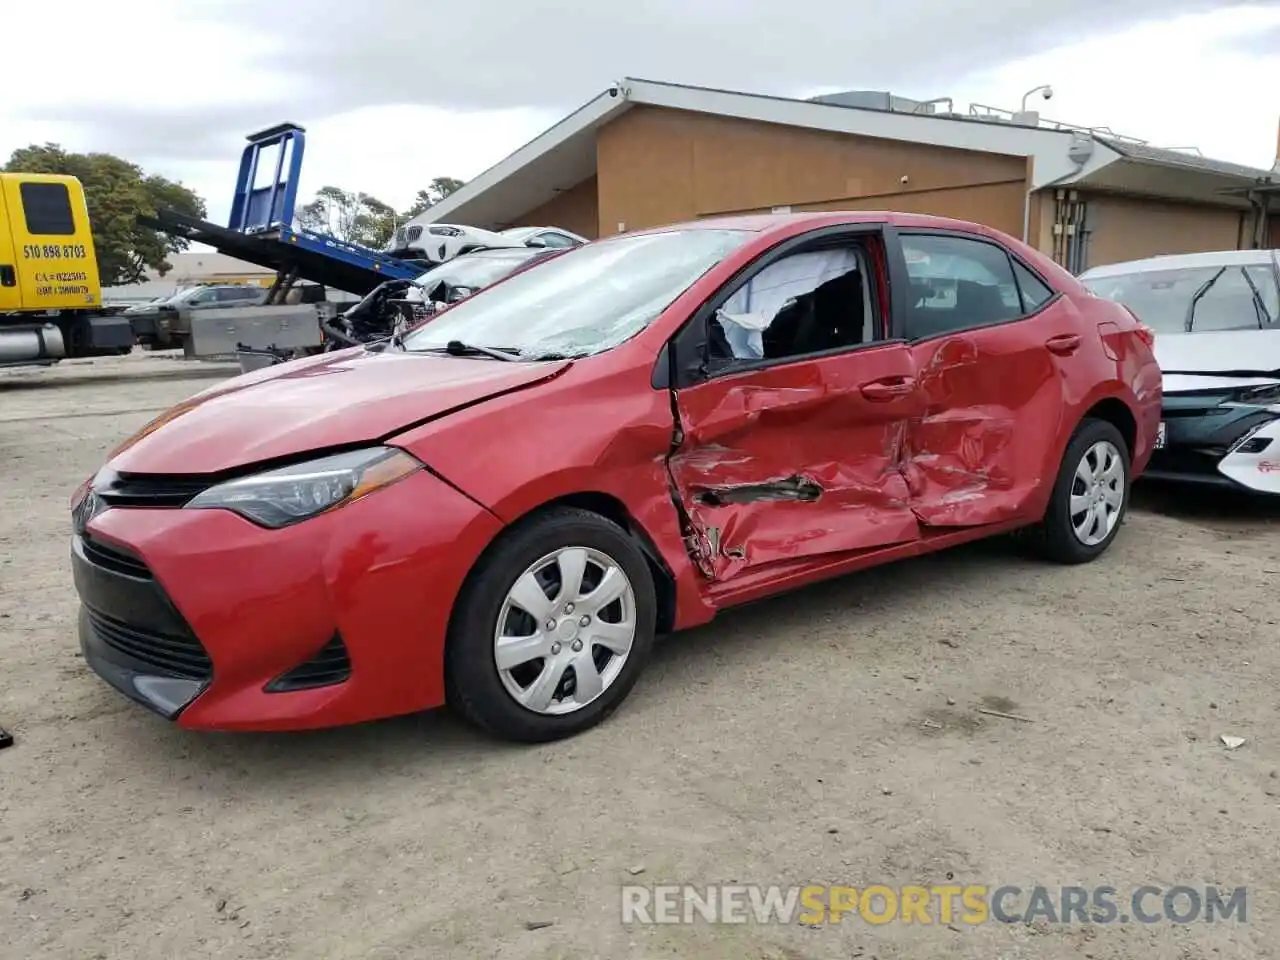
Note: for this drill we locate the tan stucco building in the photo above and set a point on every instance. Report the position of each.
(642, 154)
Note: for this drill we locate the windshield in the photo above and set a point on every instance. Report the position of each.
(585, 301)
(1199, 299)
(474, 271)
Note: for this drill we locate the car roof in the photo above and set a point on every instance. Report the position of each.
(1184, 261)
(786, 222)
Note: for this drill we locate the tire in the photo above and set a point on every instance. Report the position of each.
(1055, 538)
(486, 695)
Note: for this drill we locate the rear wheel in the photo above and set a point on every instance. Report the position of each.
(552, 629)
(1090, 496)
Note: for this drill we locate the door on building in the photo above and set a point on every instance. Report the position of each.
(993, 345)
(791, 417)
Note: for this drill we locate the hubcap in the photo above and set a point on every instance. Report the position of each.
(565, 630)
(1097, 493)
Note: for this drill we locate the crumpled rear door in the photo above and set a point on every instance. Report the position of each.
(996, 410)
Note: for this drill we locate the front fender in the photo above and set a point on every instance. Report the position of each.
(612, 435)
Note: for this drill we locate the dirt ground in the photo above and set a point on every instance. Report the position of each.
(830, 737)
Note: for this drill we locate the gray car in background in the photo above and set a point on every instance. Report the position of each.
(158, 324)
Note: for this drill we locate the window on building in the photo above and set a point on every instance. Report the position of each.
(47, 209)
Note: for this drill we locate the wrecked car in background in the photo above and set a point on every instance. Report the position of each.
(501, 510)
(1217, 323)
(392, 308)
(395, 306)
(470, 273)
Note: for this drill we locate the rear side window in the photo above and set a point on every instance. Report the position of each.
(47, 209)
(1035, 294)
(958, 283)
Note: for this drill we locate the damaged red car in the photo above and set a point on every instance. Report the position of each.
(500, 510)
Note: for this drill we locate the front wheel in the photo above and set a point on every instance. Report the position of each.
(552, 629)
(1090, 496)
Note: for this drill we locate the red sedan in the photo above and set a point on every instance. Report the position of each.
(502, 509)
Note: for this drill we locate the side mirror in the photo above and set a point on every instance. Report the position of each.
(459, 293)
(535, 242)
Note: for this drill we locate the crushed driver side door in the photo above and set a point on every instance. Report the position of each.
(794, 461)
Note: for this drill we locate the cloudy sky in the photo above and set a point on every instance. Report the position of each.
(395, 92)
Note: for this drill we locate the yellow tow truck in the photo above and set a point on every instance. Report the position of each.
(50, 293)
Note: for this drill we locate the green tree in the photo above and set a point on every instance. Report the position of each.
(117, 192)
(438, 189)
(353, 217)
(364, 219)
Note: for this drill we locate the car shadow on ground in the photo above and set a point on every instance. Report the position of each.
(1208, 506)
(371, 750)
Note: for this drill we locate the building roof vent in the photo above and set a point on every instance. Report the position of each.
(874, 100)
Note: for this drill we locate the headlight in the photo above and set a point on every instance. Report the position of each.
(278, 498)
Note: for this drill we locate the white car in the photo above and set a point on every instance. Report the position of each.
(438, 242)
(553, 237)
(1216, 318)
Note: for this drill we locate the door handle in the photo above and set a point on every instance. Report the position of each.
(1064, 344)
(882, 390)
(8, 276)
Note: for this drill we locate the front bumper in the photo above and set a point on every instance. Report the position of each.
(130, 632)
(1231, 447)
(219, 624)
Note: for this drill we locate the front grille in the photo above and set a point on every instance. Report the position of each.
(166, 655)
(115, 559)
(150, 490)
(330, 666)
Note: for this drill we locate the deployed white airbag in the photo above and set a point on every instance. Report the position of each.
(747, 314)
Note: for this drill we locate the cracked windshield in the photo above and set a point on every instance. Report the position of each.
(584, 302)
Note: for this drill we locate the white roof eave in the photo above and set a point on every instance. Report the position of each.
(592, 114)
(1047, 148)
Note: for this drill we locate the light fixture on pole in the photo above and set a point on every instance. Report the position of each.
(1044, 90)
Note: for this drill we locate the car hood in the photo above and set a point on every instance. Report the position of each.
(1232, 352)
(334, 399)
